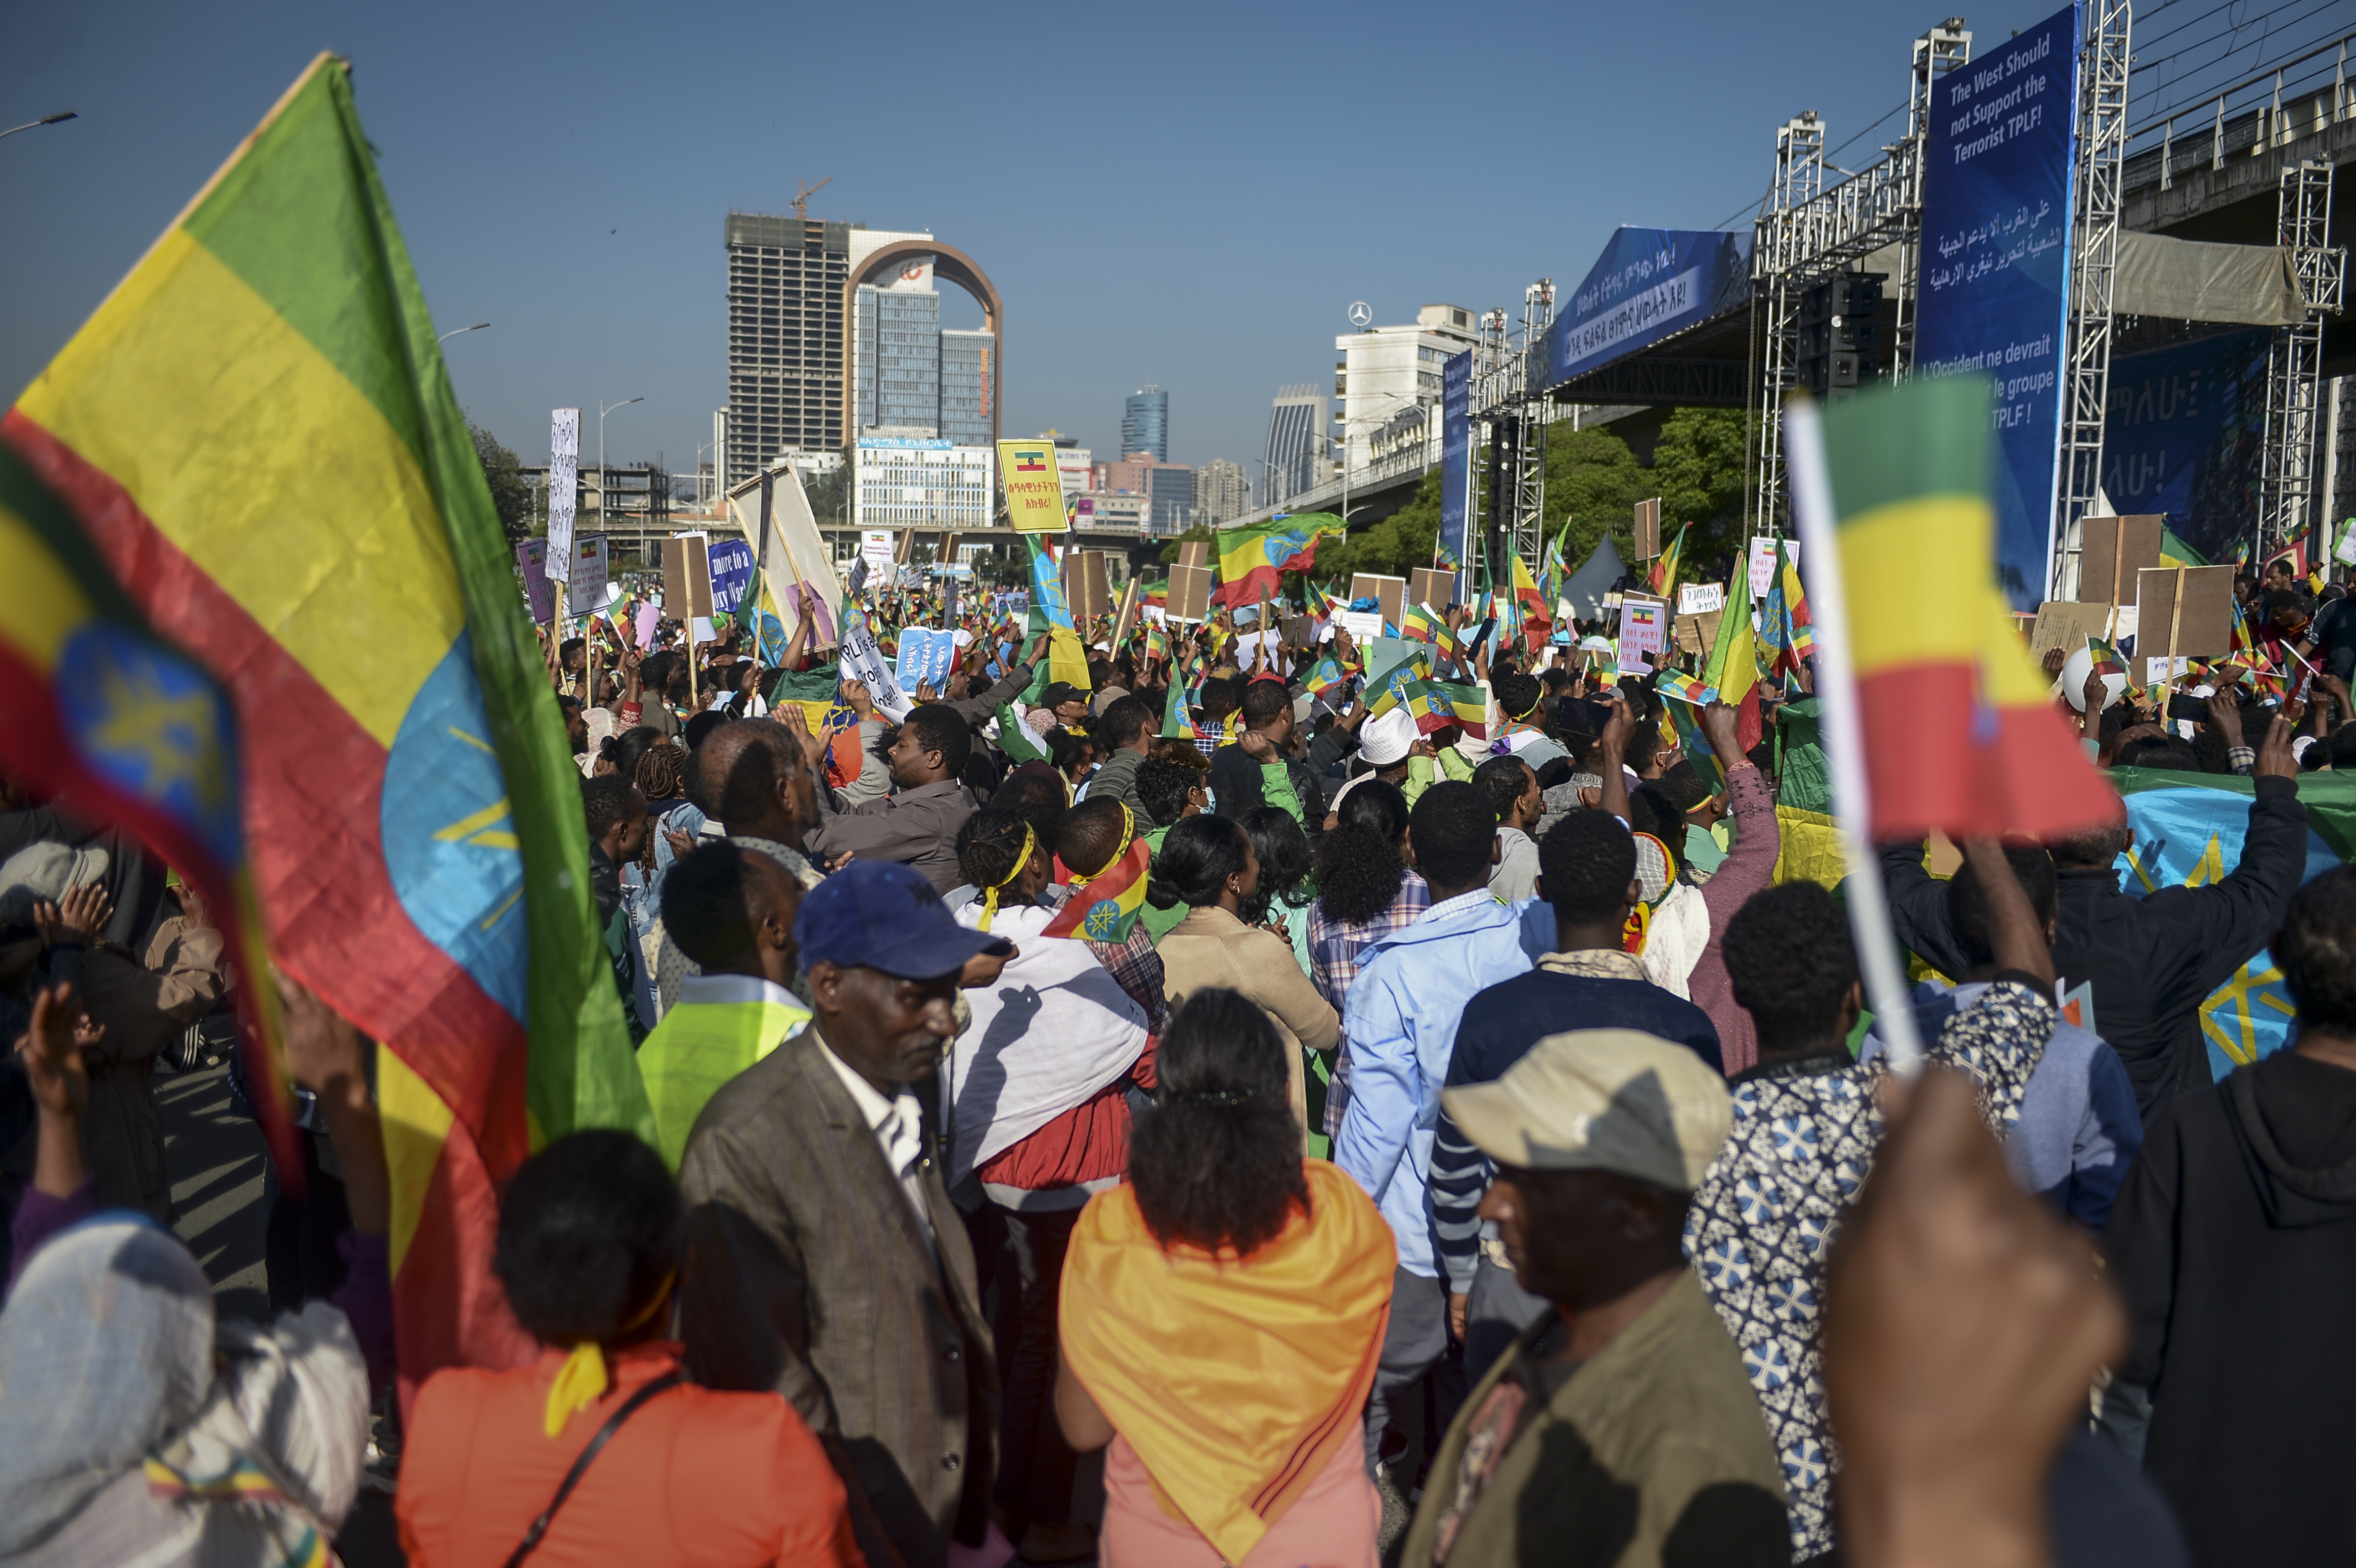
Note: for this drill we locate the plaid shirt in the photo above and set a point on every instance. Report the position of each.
(1334, 948)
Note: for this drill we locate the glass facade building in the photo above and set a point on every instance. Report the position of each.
(899, 358)
(1145, 424)
(1296, 442)
(967, 387)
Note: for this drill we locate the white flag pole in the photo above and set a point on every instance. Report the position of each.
(1869, 903)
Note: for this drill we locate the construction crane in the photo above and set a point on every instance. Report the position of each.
(802, 202)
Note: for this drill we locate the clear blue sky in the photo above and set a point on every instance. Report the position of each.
(1187, 194)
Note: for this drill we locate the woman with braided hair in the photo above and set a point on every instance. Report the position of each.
(1040, 1122)
(1223, 1314)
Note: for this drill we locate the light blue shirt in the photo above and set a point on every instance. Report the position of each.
(1400, 1020)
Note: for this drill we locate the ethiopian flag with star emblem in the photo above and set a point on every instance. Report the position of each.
(99, 711)
(2189, 829)
(256, 437)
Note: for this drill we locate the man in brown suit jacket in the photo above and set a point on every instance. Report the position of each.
(824, 1258)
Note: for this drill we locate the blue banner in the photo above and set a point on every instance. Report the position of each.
(1995, 269)
(2182, 435)
(1648, 284)
(732, 569)
(1456, 462)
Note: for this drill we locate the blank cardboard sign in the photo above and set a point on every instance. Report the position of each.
(2111, 550)
(1190, 594)
(2184, 611)
(2066, 624)
(1432, 585)
(1390, 592)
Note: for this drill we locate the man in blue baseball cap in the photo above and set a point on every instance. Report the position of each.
(824, 1259)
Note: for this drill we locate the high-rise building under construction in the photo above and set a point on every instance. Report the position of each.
(785, 338)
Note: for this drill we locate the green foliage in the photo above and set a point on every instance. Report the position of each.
(1698, 468)
(1592, 485)
(511, 496)
(1200, 532)
(1393, 547)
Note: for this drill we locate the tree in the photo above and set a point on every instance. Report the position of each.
(1393, 547)
(1592, 485)
(511, 496)
(1699, 465)
(1200, 533)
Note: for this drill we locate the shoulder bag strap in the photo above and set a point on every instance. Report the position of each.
(580, 1465)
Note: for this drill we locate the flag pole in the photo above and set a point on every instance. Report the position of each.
(1869, 902)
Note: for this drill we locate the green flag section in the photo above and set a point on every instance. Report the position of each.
(256, 431)
(1958, 734)
(2188, 834)
(1733, 664)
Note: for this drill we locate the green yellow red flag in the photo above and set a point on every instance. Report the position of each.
(1732, 668)
(1251, 559)
(256, 434)
(1958, 734)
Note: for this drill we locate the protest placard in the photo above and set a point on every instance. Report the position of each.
(531, 556)
(1388, 592)
(730, 562)
(1696, 598)
(584, 589)
(1643, 629)
(1432, 585)
(1762, 563)
(1648, 529)
(924, 656)
(2186, 611)
(563, 481)
(863, 662)
(2066, 624)
(1190, 592)
(2111, 551)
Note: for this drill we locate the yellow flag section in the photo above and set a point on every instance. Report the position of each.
(1236, 1382)
(256, 432)
(1035, 490)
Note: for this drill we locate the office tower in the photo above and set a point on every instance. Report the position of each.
(1387, 378)
(1296, 444)
(785, 338)
(1145, 424)
(1171, 488)
(967, 387)
(1222, 491)
(898, 374)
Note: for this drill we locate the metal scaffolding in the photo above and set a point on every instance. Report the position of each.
(2294, 362)
(2094, 253)
(1806, 231)
(1506, 374)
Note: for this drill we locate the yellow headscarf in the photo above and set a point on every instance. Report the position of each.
(990, 893)
(581, 1382)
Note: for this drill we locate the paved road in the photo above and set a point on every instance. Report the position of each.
(221, 1187)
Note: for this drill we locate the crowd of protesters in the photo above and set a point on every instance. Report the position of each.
(1465, 1151)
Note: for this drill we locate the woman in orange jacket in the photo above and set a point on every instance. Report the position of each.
(600, 1452)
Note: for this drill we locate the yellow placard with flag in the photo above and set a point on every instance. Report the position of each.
(1034, 491)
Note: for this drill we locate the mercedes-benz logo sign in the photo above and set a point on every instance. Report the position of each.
(1362, 313)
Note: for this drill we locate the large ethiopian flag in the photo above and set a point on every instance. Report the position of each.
(257, 435)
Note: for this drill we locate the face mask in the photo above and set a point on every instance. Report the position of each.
(1210, 801)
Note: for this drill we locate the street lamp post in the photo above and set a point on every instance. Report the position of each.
(44, 120)
(457, 331)
(603, 410)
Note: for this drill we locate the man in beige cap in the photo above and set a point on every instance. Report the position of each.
(1619, 1429)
